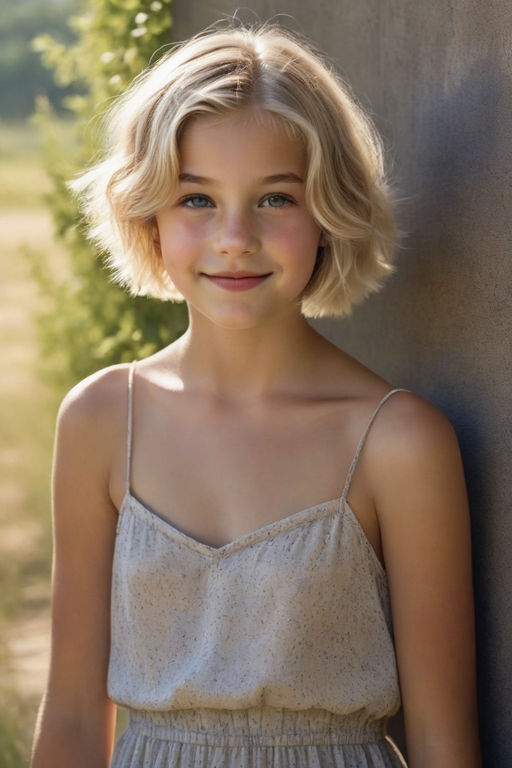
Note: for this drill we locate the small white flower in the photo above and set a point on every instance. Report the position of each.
(40, 44)
(141, 18)
(107, 57)
(138, 32)
(115, 80)
(156, 6)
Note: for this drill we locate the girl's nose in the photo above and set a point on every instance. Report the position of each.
(236, 235)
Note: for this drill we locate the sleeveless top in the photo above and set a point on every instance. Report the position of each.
(284, 629)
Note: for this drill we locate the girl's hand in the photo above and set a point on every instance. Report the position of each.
(414, 464)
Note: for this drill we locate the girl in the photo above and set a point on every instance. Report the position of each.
(261, 547)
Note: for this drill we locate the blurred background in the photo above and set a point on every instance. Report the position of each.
(61, 63)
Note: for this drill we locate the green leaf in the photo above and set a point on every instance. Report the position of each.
(87, 321)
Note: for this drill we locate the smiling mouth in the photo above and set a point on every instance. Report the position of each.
(237, 281)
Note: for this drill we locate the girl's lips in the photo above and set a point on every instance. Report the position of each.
(238, 283)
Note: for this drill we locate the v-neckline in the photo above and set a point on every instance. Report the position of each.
(262, 532)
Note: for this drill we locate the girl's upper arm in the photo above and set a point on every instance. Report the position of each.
(84, 524)
(422, 507)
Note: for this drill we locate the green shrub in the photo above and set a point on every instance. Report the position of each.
(87, 321)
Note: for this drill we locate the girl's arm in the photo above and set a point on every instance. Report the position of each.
(421, 503)
(76, 719)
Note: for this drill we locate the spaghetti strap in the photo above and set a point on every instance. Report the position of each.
(363, 440)
(129, 425)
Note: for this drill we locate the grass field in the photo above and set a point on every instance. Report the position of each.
(27, 423)
(27, 420)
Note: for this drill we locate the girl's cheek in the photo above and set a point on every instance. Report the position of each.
(195, 227)
(180, 235)
(295, 236)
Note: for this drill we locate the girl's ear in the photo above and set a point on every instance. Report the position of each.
(323, 240)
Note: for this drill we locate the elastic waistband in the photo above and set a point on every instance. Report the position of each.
(265, 726)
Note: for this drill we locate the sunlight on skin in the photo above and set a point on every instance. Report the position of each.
(240, 205)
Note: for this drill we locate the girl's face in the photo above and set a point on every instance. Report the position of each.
(236, 236)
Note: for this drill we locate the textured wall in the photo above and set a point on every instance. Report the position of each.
(437, 78)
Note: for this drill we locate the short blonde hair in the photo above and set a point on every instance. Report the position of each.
(217, 72)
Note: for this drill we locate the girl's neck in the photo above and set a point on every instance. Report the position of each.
(243, 365)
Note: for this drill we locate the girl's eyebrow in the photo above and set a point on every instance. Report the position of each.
(275, 178)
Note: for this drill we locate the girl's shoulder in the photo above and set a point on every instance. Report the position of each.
(97, 393)
(410, 425)
(95, 408)
(406, 413)
(90, 434)
(413, 465)
(406, 425)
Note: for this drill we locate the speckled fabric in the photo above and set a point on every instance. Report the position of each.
(273, 651)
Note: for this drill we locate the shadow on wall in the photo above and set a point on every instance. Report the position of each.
(456, 311)
(454, 166)
(438, 327)
(459, 141)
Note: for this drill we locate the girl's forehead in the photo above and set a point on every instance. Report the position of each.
(250, 133)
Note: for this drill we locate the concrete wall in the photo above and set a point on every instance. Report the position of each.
(437, 78)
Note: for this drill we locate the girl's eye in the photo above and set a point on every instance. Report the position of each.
(276, 201)
(196, 201)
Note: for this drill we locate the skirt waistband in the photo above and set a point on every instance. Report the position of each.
(265, 726)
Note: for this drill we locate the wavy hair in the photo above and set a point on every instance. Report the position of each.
(217, 72)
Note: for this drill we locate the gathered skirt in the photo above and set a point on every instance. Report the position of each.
(253, 738)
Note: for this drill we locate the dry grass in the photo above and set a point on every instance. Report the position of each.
(26, 435)
(27, 419)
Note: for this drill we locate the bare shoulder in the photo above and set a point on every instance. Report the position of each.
(91, 427)
(413, 455)
(412, 443)
(412, 429)
(408, 427)
(96, 405)
(95, 396)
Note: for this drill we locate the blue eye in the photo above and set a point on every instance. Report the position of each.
(276, 201)
(196, 201)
